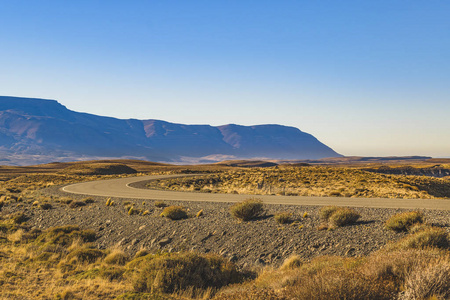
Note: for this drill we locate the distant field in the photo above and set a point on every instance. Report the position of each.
(311, 181)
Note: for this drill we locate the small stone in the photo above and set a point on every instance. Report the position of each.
(134, 242)
(350, 252)
(233, 258)
(142, 227)
(164, 242)
(259, 261)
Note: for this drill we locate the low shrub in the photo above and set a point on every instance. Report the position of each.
(337, 216)
(404, 221)
(283, 218)
(292, 262)
(84, 255)
(326, 211)
(429, 282)
(116, 257)
(343, 217)
(88, 200)
(184, 271)
(429, 237)
(174, 212)
(75, 204)
(248, 209)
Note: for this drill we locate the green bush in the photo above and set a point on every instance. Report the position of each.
(183, 271)
(403, 221)
(174, 213)
(248, 209)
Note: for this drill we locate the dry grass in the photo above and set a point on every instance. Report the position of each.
(174, 272)
(404, 221)
(247, 210)
(283, 218)
(311, 181)
(334, 216)
(174, 212)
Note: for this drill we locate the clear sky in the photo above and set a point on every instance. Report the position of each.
(367, 78)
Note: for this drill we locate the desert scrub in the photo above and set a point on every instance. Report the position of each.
(183, 271)
(283, 218)
(84, 255)
(174, 212)
(116, 257)
(429, 282)
(428, 237)
(88, 200)
(292, 262)
(404, 221)
(248, 209)
(160, 204)
(76, 204)
(338, 216)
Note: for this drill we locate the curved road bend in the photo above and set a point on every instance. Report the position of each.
(120, 188)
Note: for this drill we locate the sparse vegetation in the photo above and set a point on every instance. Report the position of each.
(68, 263)
(183, 272)
(311, 181)
(174, 212)
(404, 221)
(248, 209)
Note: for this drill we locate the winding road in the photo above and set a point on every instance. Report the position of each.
(121, 188)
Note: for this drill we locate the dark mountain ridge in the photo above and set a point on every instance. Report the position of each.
(45, 130)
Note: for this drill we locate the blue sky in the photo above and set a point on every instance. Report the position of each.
(367, 78)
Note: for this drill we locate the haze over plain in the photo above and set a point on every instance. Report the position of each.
(365, 78)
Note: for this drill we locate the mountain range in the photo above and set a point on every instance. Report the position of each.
(40, 131)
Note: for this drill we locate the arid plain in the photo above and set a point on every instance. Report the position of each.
(254, 239)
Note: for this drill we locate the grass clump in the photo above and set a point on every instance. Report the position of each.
(184, 271)
(283, 218)
(248, 209)
(174, 212)
(334, 216)
(428, 237)
(88, 200)
(76, 204)
(116, 257)
(84, 255)
(292, 262)
(160, 204)
(404, 221)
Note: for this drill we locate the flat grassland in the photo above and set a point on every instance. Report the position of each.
(59, 246)
(311, 181)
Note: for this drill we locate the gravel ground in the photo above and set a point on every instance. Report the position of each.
(249, 244)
